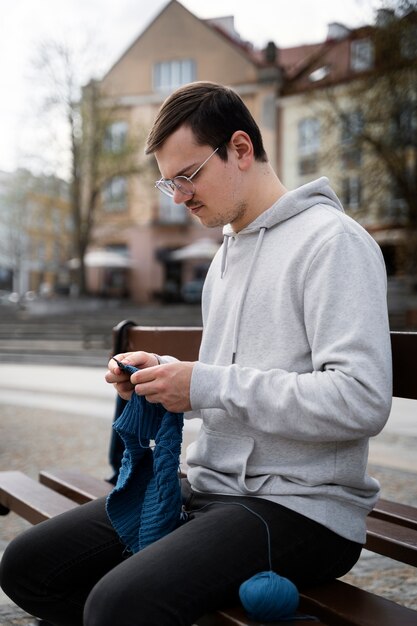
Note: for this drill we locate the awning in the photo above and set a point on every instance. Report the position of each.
(200, 249)
(102, 258)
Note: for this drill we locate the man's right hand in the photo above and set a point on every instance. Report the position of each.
(120, 379)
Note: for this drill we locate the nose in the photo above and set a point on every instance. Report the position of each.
(179, 197)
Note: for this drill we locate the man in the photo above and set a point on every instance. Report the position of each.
(292, 379)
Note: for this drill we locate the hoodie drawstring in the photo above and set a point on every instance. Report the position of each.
(244, 290)
(224, 255)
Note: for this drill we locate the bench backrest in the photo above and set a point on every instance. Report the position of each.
(404, 360)
(183, 342)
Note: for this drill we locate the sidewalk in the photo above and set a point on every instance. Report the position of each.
(61, 416)
(83, 391)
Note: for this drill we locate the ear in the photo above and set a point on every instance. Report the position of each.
(241, 145)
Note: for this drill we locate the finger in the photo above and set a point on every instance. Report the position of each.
(124, 386)
(143, 390)
(122, 356)
(116, 376)
(153, 399)
(113, 364)
(146, 375)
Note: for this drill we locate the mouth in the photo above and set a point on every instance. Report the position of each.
(195, 208)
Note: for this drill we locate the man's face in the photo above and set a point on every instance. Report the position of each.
(218, 198)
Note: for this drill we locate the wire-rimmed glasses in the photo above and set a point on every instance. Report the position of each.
(183, 184)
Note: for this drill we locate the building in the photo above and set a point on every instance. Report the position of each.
(35, 233)
(348, 109)
(6, 268)
(135, 220)
(313, 112)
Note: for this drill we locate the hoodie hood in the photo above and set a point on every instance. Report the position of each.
(290, 204)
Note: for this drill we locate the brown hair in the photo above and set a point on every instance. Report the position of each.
(212, 111)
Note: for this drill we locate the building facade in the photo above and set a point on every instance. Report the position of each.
(348, 110)
(314, 105)
(35, 234)
(134, 218)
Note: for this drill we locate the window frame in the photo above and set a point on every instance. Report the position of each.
(113, 201)
(173, 73)
(362, 55)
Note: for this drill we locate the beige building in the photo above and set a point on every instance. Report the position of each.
(49, 230)
(36, 233)
(293, 94)
(338, 117)
(136, 220)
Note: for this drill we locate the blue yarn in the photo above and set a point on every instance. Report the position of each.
(267, 597)
(145, 504)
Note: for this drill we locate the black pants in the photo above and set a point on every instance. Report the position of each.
(73, 570)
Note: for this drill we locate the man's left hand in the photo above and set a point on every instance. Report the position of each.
(168, 384)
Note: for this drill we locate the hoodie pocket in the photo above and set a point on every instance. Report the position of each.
(219, 462)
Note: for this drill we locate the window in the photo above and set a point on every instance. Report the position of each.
(361, 55)
(351, 192)
(118, 248)
(56, 253)
(352, 126)
(56, 220)
(168, 75)
(319, 74)
(409, 42)
(308, 145)
(115, 137)
(41, 251)
(171, 213)
(308, 136)
(404, 125)
(397, 206)
(269, 111)
(114, 194)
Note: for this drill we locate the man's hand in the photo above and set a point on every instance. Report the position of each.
(120, 379)
(168, 384)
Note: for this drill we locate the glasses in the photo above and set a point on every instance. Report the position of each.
(183, 184)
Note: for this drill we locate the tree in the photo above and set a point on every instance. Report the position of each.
(82, 123)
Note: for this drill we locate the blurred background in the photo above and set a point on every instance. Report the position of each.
(333, 89)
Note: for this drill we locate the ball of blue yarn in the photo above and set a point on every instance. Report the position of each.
(267, 597)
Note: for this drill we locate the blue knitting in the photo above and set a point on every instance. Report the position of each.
(146, 503)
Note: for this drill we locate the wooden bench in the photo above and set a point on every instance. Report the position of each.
(391, 527)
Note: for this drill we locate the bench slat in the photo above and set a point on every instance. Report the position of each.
(74, 485)
(341, 604)
(29, 499)
(392, 540)
(237, 617)
(402, 514)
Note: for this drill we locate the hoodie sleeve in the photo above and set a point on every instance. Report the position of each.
(347, 393)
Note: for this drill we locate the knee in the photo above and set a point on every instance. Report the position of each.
(15, 568)
(109, 604)
(104, 607)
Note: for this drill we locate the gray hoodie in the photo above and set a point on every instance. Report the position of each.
(294, 372)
